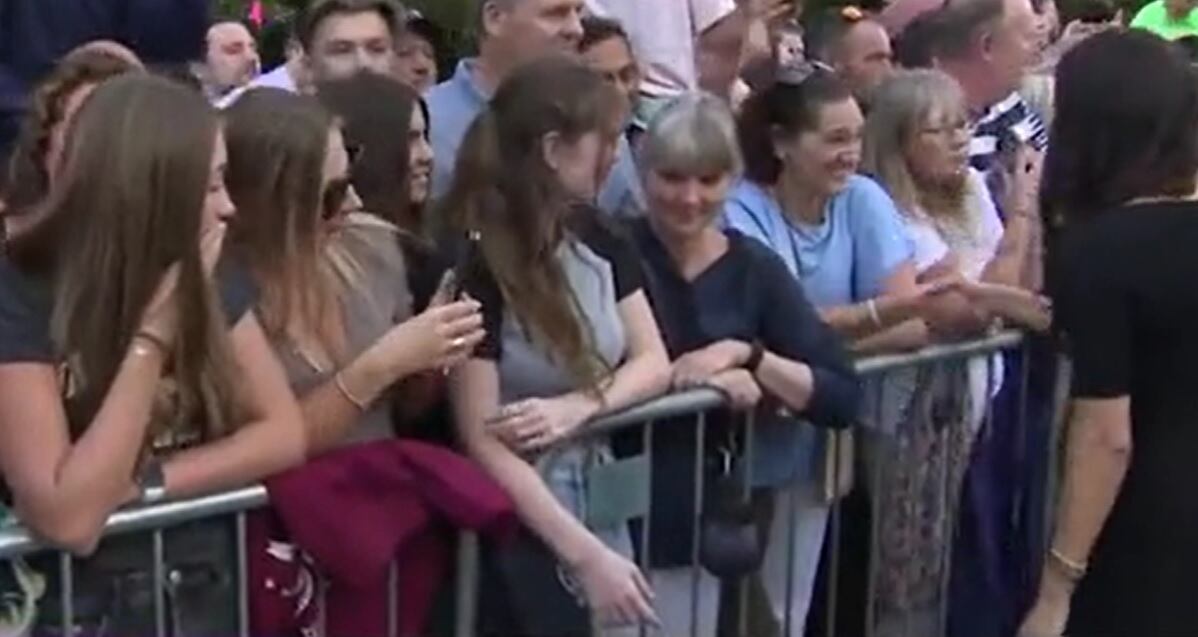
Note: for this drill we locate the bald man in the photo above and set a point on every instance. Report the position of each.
(230, 60)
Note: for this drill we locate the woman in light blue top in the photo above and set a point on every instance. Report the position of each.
(842, 237)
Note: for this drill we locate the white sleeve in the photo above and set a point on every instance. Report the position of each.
(706, 13)
(990, 227)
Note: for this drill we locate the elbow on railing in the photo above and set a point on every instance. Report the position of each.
(70, 528)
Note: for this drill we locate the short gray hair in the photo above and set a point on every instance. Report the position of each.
(962, 22)
(693, 135)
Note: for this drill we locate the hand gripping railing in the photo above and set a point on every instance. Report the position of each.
(16, 541)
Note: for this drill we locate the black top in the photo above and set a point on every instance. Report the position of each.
(587, 227)
(26, 305)
(747, 295)
(1126, 301)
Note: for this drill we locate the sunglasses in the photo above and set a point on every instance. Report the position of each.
(333, 199)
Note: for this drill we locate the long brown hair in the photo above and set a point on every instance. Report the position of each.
(277, 146)
(504, 190)
(127, 205)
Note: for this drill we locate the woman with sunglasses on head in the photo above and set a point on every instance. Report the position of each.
(131, 366)
(842, 238)
(334, 300)
(570, 335)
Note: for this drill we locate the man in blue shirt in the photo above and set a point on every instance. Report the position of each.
(511, 33)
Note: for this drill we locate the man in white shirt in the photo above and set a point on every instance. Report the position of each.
(336, 39)
(672, 38)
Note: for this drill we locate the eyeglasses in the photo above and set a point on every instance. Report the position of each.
(333, 199)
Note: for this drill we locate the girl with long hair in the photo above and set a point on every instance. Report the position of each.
(334, 301)
(133, 368)
(570, 333)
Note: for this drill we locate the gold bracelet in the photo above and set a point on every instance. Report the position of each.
(1072, 569)
(154, 341)
(339, 382)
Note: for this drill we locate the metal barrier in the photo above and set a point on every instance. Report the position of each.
(158, 519)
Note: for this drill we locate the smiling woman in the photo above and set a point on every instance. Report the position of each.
(333, 302)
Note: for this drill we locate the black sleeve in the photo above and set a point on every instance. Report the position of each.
(791, 328)
(237, 290)
(1092, 306)
(481, 285)
(425, 268)
(24, 319)
(615, 245)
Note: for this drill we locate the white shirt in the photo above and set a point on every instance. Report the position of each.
(664, 35)
(279, 78)
(975, 243)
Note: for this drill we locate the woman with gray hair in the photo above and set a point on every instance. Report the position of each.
(917, 146)
(732, 318)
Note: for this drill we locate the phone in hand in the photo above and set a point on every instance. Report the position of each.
(466, 258)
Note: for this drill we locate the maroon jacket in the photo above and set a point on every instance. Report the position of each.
(349, 513)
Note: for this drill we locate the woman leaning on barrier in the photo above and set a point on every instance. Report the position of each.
(570, 335)
(133, 367)
(1123, 219)
(842, 238)
(734, 318)
(335, 302)
(917, 147)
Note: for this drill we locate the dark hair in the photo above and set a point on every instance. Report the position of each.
(128, 205)
(789, 107)
(274, 39)
(961, 23)
(824, 32)
(597, 30)
(915, 46)
(504, 190)
(376, 114)
(27, 179)
(312, 16)
(1126, 126)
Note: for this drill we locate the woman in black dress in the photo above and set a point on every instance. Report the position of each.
(1119, 194)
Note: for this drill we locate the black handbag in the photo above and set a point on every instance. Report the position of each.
(730, 543)
(526, 591)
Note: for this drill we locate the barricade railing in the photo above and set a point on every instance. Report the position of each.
(158, 519)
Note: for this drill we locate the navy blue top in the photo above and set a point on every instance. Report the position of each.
(34, 34)
(747, 295)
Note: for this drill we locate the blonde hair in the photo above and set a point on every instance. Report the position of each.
(901, 106)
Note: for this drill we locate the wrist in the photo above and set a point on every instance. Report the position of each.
(736, 353)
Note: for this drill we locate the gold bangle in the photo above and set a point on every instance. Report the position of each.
(1072, 569)
(148, 337)
(339, 382)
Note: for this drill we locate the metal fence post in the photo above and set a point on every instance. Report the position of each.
(466, 605)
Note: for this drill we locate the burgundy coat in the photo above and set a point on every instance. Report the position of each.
(349, 513)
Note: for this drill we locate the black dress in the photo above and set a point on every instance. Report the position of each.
(1126, 295)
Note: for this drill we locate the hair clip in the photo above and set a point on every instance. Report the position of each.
(852, 13)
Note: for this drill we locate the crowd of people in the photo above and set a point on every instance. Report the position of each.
(400, 302)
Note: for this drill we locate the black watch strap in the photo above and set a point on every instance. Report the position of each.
(756, 353)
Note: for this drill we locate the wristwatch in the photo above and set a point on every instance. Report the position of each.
(151, 482)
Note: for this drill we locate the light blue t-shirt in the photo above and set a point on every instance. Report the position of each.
(455, 103)
(847, 258)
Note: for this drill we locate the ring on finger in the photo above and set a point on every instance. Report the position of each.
(458, 343)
